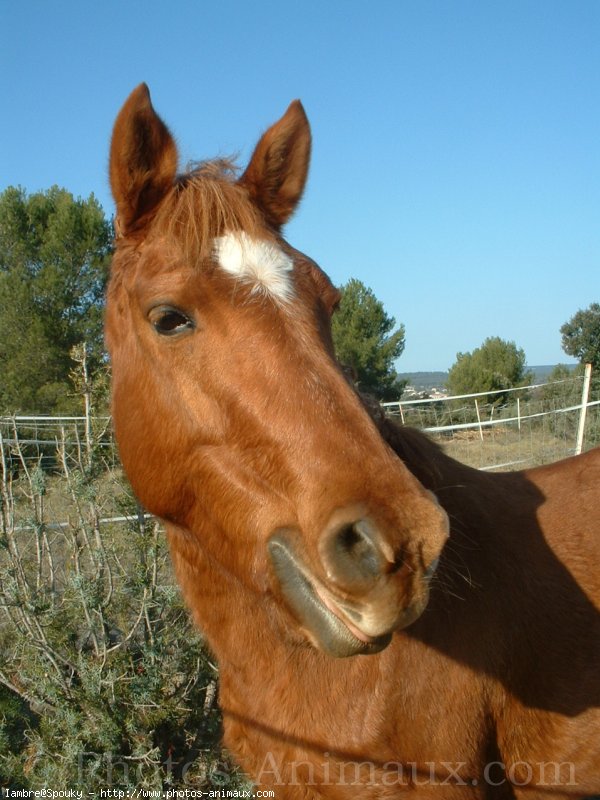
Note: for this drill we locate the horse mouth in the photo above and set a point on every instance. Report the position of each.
(320, 615)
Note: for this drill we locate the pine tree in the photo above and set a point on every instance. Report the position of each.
(581, 336)
(365, 341)
(54, 256)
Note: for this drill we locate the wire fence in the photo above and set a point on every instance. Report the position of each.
(538, 424)
(38, 439)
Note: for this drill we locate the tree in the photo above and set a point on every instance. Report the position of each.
(54, 256)
(497, 364)
(364, 340)
(563, 385)
(581, 336)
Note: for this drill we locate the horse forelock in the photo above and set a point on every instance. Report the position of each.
(209, 217)
(204, 204)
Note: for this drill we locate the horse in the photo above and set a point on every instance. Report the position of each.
(387, 622)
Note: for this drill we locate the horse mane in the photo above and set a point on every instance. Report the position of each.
(205, 202)
(423, 457)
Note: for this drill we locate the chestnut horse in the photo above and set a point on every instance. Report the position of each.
(388, 622)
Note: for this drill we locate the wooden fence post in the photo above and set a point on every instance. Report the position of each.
(479, 419)
(585, 396)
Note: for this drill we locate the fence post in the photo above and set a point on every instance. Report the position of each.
(479, 419)
(585, 396)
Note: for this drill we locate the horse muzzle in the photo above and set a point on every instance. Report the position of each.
(365, 595)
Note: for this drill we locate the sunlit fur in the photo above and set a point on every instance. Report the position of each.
(245, 425)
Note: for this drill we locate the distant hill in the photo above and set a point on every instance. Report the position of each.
(425, 381)
(541, 373)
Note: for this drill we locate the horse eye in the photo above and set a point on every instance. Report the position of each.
(170, 321)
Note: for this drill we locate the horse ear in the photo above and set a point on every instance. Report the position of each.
(276, 174)
(143, 160)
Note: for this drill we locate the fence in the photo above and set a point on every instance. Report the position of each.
(539, 424)
(38, 438)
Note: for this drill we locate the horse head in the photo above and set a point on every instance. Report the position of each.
(234, 420)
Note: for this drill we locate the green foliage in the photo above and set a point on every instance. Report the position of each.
(364, 341)
(15, 718)
(497, 364)
(54, 256)
(104, 682)
(95, 639)
(581, 336)
(562, 378)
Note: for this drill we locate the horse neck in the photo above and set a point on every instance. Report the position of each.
(425, 459)
(215, 597)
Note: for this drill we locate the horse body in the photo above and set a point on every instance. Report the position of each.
(492, 692)
(307, 530)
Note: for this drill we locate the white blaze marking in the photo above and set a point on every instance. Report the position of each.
(256, 261)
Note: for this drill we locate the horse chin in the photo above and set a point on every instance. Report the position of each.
(312, 605)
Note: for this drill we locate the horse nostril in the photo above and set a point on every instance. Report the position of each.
(355, 544)
(352, 555)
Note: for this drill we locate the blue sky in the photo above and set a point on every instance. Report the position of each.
(456, 157)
